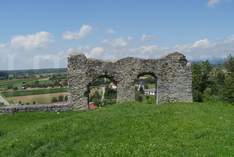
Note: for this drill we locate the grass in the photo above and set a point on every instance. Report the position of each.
(33, 92)
(38, 99)
(129, 129)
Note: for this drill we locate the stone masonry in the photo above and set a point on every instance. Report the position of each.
(36, 108)
(173, 74)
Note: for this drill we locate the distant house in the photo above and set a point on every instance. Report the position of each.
(150, 91)
(24, 85)
(112, 86)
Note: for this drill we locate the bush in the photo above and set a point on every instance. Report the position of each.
(139, 97)
(150, 99)
(197, 96)
(66, 98)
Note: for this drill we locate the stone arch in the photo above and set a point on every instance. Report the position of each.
(97, 77)
(173, 72)
(152, 74)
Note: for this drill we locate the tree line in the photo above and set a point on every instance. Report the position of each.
(213, 82)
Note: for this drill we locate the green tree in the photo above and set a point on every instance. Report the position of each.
(229, 64)
(228, 92)
(201, 79)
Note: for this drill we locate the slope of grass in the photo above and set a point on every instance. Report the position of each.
(137, 130)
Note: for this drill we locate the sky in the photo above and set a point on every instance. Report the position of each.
(42, 34)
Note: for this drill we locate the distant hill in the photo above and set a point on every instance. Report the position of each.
(34, 71)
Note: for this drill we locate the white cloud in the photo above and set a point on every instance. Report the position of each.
(118, 42)
(146, 37)
(205, 49)
(37, 40)
(90, 52)
(212, 3)
(97, 50)
(2, 45)
(84, 31)
(203, 43)
(200, 49)
(147, 49)
(110, 31)
(114, 49)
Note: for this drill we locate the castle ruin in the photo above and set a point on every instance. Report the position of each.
(173, 74)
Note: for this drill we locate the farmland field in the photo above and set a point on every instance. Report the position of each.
(130, 129)
(38, 99)
(15, 82)
(34, 86)
(33, 92)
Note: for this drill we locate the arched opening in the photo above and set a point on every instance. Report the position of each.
(146, 88)
(102, 91)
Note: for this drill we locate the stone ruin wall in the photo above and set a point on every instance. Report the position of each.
(173, 73)
(36, 108)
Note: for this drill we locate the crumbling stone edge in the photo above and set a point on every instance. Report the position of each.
(36, 108)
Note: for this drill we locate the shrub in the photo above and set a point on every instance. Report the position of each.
(66, 98)
(139, 97)
(150, 99)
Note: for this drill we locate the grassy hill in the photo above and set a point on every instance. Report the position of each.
(137, 130)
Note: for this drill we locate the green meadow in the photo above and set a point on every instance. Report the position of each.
(122, 130)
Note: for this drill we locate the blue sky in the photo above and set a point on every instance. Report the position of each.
(41, 34)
